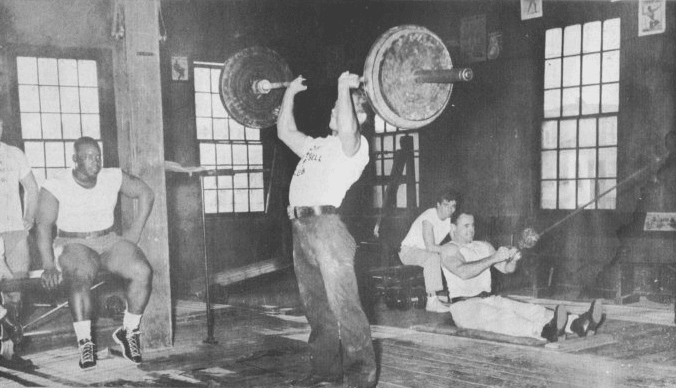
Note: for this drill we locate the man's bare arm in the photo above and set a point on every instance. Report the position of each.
(287, 131)
(48, 211)
(134, 187)
(454, 261)
(31, 194)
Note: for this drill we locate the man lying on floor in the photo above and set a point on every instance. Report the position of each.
(466, 264)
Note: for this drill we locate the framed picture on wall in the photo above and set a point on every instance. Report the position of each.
(651, 17)
(179, 69)
(660, 222)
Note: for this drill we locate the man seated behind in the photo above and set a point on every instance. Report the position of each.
(466, 264)
(81, 203)
(421, 246)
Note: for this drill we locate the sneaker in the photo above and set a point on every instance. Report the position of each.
(589, 321)
(87, 354)
(130, 341)
(436, 306)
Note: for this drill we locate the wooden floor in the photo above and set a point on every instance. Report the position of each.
(265, 346)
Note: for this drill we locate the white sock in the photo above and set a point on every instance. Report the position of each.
(571, 318)
(131, 321)
(83, 330)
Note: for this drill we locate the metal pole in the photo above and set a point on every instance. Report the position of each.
(210, 311)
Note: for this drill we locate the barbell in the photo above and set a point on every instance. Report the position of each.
(408, 78)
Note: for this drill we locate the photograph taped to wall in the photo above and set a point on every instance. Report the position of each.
(651, 17)
(531, 9)
(179, 69)
(660, 222)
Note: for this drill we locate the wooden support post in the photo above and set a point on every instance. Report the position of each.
(138, 95)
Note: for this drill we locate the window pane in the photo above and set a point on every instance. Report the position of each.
(47, 71)
(209, 182)
(608, 200)
(202, 105)
(548, 193)
(591, 69)
(207, 154)
(241, 200)
(549, 135)
(256, 155)
(202, 79)
(611, 66)
(585, 193)
(590, 99)
(572, 36)
(27, 70)
(379, 124)
(29, 98)
(49, 99)
(35, 153)
(552, 103)
(571, 71)
(553, 43)
(592, 37)
(55, 154)
(225, 181)
(553, 73)
(256, 180)
(571, 102)
(257, 200)
(608, 131)
(239, 155)
(611, 34)
(387, 166)
(252, 133)
(51, 126)
(215, 76)
(70, 100)
(567, 164)
(87, 73)
(610, 95)
(568, 135)
(203, 128)
(225, 201)
(607, 162)
(89, 100)
(587, 164)
(567, 195)
(401, 196)
(223, 155)
(91, 126)
(220, 129)
(217, 107)
(30, 126)
(68, 72)
(236, 130)
(240, 180)
(549, 165)
(71, 126)
(210, 201)
(587, 132)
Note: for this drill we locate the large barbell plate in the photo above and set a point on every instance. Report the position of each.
(389, 76)
(239, 72)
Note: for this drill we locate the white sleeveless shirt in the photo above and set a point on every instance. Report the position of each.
(474, 251)
(85, 210)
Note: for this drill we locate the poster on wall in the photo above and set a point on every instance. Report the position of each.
(473, 38)
(494, 45)
(660, 222)
(651, 19)
(179, 69)
(531, 9)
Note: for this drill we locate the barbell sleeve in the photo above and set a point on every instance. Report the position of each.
(443, 76)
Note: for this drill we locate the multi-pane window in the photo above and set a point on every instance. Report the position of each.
(386, 142)
(226, 144)
(581, 103)
(58, 103)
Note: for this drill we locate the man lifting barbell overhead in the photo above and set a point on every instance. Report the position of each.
(323, 248)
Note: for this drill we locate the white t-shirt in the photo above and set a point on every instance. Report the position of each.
(13, 167)
(474, 251)
(414, 237)
(324, 173)
(85, 210)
